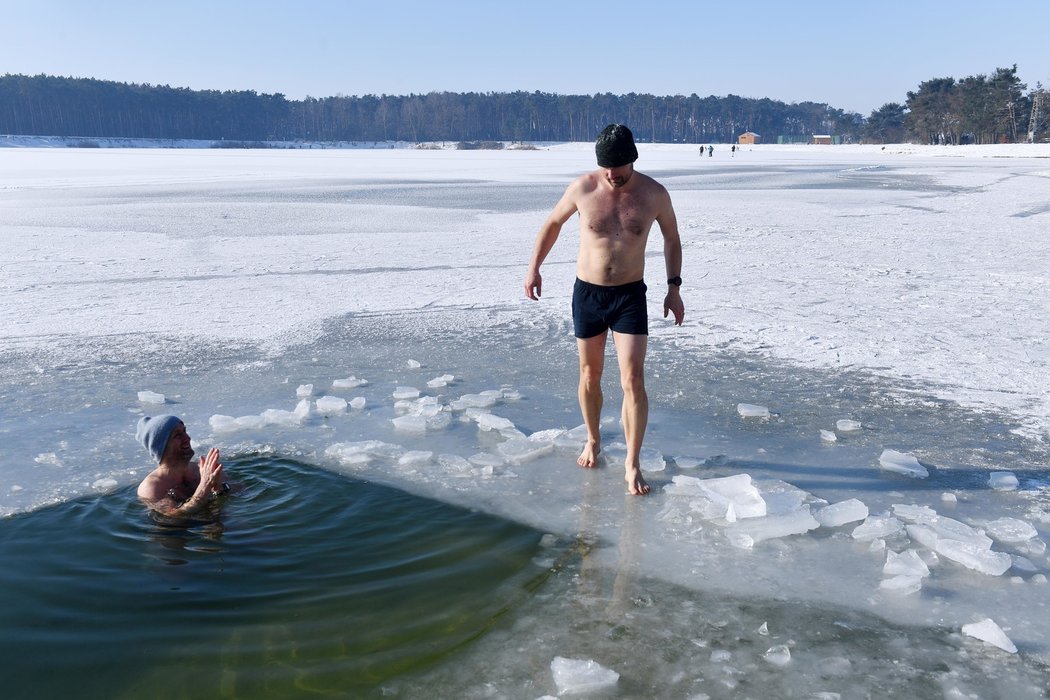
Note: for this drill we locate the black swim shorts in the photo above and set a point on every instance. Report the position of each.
(596, 309)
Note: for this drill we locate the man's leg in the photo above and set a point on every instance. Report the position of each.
(630, 353)
(592, 361)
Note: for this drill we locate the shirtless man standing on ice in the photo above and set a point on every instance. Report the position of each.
(617, 208)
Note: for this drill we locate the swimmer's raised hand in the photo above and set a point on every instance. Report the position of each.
(211, 471)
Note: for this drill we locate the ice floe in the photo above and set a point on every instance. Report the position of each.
(574, 676)
(902, 463)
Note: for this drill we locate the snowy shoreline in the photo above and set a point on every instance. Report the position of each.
(1014, 150)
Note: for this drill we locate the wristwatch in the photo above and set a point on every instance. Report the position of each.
(677, 281)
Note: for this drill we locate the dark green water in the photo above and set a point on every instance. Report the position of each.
(305, 584)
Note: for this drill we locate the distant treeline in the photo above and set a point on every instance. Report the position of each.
(978, 109)
(55, 106)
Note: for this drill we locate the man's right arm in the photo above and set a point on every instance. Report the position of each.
(546, 238)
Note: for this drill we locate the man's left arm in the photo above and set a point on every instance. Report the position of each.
(672, 258)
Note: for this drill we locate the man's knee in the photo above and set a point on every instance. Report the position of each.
(632, 380)
(590, 377)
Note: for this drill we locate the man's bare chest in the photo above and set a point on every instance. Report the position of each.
(617, 217)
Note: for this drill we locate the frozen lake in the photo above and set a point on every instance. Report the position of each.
(903, 289)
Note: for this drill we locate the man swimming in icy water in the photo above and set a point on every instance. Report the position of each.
(617, 208)
(177, 486)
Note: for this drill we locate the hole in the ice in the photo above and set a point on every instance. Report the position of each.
(306, 582)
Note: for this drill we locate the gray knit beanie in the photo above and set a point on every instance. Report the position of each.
(154, 432)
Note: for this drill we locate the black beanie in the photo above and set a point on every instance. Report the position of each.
(615, 146)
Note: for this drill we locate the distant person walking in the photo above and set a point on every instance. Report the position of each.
(617, 207)
(710, 151)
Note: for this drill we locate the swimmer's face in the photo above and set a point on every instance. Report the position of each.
(179, 447)
(619, 176)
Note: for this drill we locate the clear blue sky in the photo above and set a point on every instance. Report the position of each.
(855, 56)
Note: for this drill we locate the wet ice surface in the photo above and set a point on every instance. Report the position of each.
(866, 311)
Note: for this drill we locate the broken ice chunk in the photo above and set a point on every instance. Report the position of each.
(728, 498)
(518, 450)
(902, 463)
(483, 400)
(362, 452)
(1023, 564)
(902, 584)
(840, 513)
(551, 435)
(1003, 481)
(151, 397)
(915, 513)
(975, 557)
(828, 436)
(1011, 530)
(489, 421)
(846, 425)
(440, 382)
(907, 563)
(747, 533)
(939, 525)
(651, 460)
(331, 405)
(779, 655)
(749, 410)
(410, 424)
(415, 457)
(454, 464)
(877, 526)
(304, 390)
(413, 364)
(486, 459)
(955, 540)
(221, 424)
(689, 462)
(740, 491)
(349, 383)
(228, 424)
(406, 392)
(357, 403)
(277, 416)
(987, 631)
(573, 676)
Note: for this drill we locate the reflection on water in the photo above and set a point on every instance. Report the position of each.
(305, 583)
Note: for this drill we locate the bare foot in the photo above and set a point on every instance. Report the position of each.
(589, 457)
(636, 485)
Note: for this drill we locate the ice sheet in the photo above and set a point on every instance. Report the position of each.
(899, 288)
